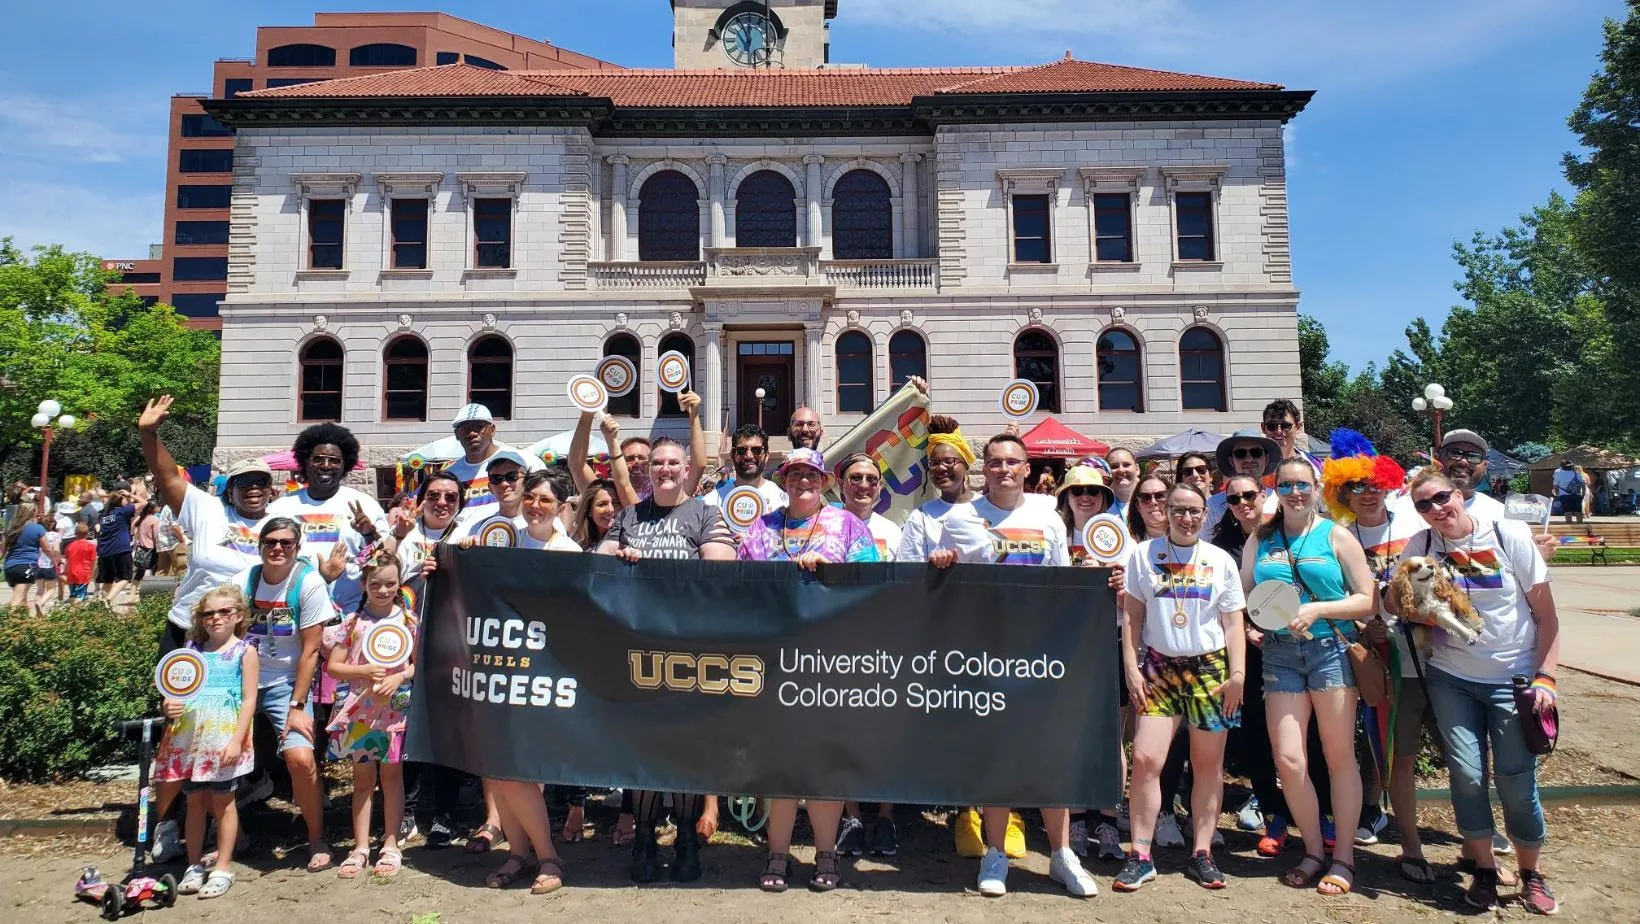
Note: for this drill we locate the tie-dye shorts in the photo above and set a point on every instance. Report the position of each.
(1184, 687)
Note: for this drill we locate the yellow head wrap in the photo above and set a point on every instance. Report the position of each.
(955, 441)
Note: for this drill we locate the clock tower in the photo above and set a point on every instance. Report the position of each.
(732, 34)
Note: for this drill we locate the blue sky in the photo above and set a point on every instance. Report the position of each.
(1432, 119)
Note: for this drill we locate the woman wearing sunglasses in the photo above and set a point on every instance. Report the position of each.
(1471, 687)
(1306, 668)
(1193, 468)
(1147, 514)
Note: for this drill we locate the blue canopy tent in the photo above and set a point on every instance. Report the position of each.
(1191, 440)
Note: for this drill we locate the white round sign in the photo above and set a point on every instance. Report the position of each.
(181, 674)
(588, 393)
(672, 371)
(618, 375)
(387, 644)
(742, 508)
(1018, 400)
(500, 534)
(1105, 538)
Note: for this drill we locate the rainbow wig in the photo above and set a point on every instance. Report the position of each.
(1355, 459)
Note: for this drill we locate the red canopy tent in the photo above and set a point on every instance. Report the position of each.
(1051, 439)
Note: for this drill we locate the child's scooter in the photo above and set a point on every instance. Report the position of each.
(118, 898)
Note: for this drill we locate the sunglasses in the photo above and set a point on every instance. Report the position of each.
(748, 451)
(286, 544)
(448, 497)
(1186, 513)
(1245, 497)
(1438, 499)
(1282, 425)
(246, 482)
(1194, 470)
(507, 477)
(1152, 497)
(224, 612)
(861, 478)
(1361, 487)
(1288, 487)
(1466, 455)
(1084, 490)
(1255, 452)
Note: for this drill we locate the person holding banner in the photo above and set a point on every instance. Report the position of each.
(1184, 611)
(1307, 668)
(595, 511)
(949, 460)
(806, 532)
(544, 529)
(862, 484)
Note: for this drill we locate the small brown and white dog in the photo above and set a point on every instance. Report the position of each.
(1427, 598)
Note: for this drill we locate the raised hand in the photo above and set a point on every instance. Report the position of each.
(155, 413)
(362, 524)
(689, 402)
(335, 563)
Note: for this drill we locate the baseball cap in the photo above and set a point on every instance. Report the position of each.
(472, 412)
(505, 455)
(251, 466)
(1456, 437)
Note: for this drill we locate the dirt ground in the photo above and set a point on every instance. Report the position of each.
(1591, 861)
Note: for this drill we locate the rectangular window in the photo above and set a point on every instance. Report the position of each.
(447, 57)
(1195, 210)
(199, 269)
(492, 230)
(234, 86)
(409, 233)
(203, 126)
(291, 81)
(1031, 230)
(1113, 228)
(325, 233)
(192, 233)
(197, 305)
(137, 279)
(204, 197)
(217, 161)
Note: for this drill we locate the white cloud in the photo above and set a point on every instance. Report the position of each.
(113, 225)
(98, 131)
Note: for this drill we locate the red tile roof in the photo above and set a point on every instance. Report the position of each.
(754, 89)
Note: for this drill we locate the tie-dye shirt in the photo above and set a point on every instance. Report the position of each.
(1200, 581)
(839, 536)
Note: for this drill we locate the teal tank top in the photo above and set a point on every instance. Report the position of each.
(1317, 564)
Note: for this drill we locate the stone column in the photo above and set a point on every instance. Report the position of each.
(617, 208)
(711, 395)
(812, 183)
(716, 192)
(911, 212)
(811, 367)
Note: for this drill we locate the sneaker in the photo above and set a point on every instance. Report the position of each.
(1483, 890)
(1274, 840)
(1535, 894)
(885, 838)
(167, 843)
(1373, 823)
(1135, 873)
(851, 838)
(259, 791)
(993, 873)
(1250, 818)
(1167, 831)
(439, 834)
(1329, 832)
(1065, 869)
(1079, 838)
(1501, 845)
(1202, 869)
(1110, 843)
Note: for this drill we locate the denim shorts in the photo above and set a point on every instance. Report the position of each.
(1295, 665)
(216, 786)
(274, 702)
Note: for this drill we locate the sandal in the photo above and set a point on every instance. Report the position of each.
(1415, 869)
(1339, 885)
(775, 872)
(320, 857)
(388, 865)
(1300, 878)
(508, 873)
(626, 831)
(193, 879)
(353, 865)
(547, 882)
(218, 885)
(824, 879)
(484, 839)
(574, 829)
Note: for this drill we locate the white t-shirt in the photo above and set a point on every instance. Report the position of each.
(1479, 504)
(51, 544)
(221, 544)
(921, 534)
(475, 482)
(273, 630)
(1202, 581)
(417, 546)
(1030, 534)
(559, 541)
(1383, 544)
(324, 523)
(1492, 573)
(886, 535)
(773, 497)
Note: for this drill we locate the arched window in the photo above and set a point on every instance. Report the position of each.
(854, 373)
(302, 56)
(907, 357)
(405, 394)
(1201, 370)
(383, 54)
(766, 211)
(1120, 372)
(1036, 357)
(321, 390)
(668, 218)
(862, 219)
(490, 375)
(626, 345)
(681, 343)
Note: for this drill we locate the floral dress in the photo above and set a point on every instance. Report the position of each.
(192, 748)
(365, 726)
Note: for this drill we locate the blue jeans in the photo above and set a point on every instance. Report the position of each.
(1474, 718)
(273, 701)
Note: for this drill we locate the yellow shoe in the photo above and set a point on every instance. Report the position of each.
(969, 834)
(1014, 844)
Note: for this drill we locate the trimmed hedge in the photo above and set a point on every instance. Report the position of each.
(66, 678)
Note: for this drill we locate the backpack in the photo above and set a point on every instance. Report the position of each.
(293, 592)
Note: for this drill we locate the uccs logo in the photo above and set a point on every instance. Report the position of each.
(737, 675)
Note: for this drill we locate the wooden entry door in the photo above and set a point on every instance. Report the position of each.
(771, 367)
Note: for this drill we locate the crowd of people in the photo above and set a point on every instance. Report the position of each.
(281, 589)
(103, 544)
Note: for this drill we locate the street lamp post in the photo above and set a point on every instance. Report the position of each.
(761, 394)
(1435, 403)
(43, 420)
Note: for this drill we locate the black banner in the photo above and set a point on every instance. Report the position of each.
(979, 685)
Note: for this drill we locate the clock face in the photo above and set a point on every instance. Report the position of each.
(749, 39)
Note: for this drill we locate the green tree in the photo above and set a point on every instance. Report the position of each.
(63, 336)
(1333, 398)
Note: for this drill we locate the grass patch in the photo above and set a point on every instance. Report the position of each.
(1579, 554)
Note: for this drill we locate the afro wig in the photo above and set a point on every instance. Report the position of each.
(1355, 460)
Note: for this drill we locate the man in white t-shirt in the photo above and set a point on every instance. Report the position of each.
(474, 427)
(1463, 461)
(337, 521)
(750, 454)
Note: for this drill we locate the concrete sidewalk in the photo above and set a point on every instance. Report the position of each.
(1596, 632)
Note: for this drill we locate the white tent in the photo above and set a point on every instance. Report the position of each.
(556, 447)
(443, 449)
